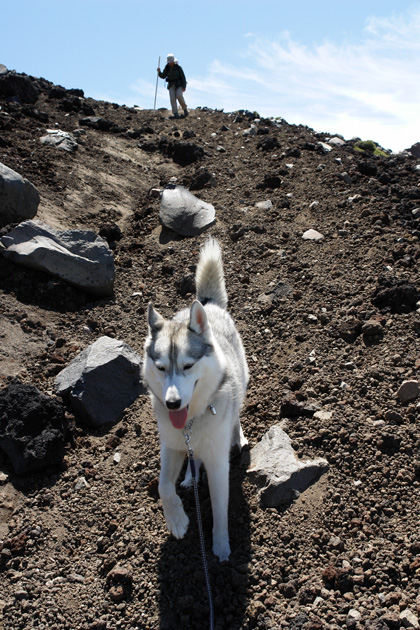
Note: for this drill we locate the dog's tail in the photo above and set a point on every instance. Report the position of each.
(209, 277)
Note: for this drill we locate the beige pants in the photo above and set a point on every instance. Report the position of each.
(177, 95)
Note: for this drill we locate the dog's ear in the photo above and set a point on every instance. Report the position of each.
(198, 318)
(154, 319)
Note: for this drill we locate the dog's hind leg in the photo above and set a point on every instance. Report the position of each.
(188, 480)
(176, 519)
(218, 477)
(238, 437)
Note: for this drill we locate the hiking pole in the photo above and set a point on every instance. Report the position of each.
(157, 78)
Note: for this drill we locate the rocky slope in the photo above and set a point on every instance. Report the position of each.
(331, 332)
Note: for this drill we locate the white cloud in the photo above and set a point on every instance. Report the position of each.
(368, 89)
(398, 31)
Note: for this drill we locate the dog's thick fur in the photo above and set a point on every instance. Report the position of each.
(191, 362)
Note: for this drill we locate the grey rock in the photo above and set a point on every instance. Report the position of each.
(312, 235)
(339, 142)
(79, 257)
(102, 381)
(323, 147)
(345, 177)
(323, 415)
(409, 390)
(19, 199)
(60, 139)
(353, 618)
(81, 484)
(183, 212)
(276, 470)
(264, 205)
(252, 131)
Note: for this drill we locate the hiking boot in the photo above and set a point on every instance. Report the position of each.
(185, 112)
(176, 115)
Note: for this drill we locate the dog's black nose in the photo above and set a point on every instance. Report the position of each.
(173, 404)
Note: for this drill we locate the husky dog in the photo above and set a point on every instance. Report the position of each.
(195, 368)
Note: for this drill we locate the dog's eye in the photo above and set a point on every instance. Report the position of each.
(160, 368)
(188, 366)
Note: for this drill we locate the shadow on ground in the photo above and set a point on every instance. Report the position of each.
(184, 601)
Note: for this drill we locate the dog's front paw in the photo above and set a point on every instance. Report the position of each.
(176, 519)
(221, 549)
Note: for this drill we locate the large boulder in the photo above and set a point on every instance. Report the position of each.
(183, 212)
(32, 428)
(102, 381)
(19, 199)
(79, 257)
(277, 471)
(19, 87)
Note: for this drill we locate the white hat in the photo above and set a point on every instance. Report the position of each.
(170, 58)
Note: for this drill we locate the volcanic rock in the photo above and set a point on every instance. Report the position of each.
(16, 86)
(312, 235)
(102, 381)
(409, 390)
(183, 212)
(277, 471)
(79, 257)
(32, 428)
(19, 199)
(60, 139)
(396, 295)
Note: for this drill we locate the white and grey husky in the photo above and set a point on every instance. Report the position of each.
(195, 368)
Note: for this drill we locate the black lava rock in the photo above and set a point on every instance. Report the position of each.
(32, 428)
(395, 295)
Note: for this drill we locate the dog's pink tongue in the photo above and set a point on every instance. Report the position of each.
(178, 418)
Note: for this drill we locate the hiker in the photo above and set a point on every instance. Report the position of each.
(177, 84)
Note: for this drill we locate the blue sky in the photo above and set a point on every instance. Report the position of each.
(339, 66)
